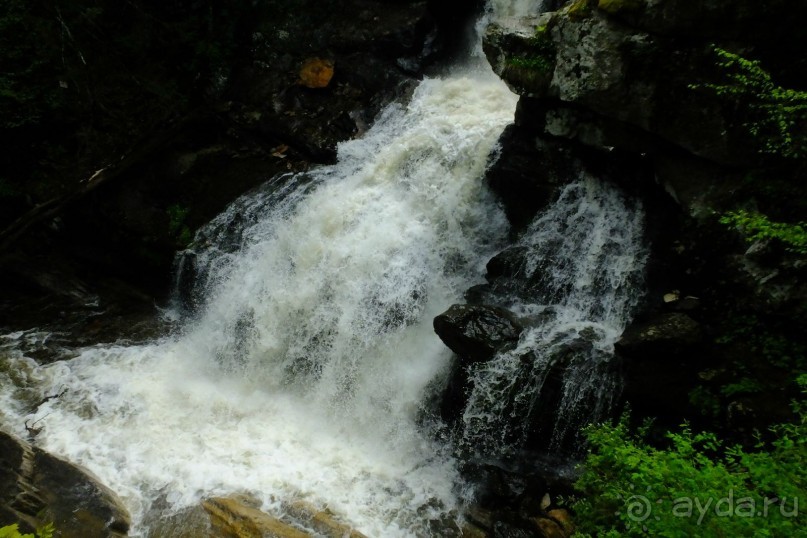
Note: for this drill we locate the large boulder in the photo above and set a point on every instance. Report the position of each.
(477, 332)
(240, 516)
(37, 488)
(237, 517)
(668, 334)
(620, 77)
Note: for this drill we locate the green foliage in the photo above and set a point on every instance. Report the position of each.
(744, 385)
(12, 531)
(531, 62)
(758, 227)
(177, 227)
(776, 116)
(695, 486)
(706, 401)
(541, 53)
(762, 357)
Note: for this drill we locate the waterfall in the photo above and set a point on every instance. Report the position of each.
(310, 364)
(308, 369)
(581, 262)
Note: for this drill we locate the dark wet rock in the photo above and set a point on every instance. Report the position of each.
(476, 333)
(661, 359)
(469, 530)
(498, 488)
(480, 294)
(549, 528)
(71, 307)
(668, 334)
(528, 172)
(39, 488)
(508, 263)
(504, 529)
(743, 19)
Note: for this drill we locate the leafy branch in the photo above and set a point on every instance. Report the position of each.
(777, 115)
(758, 227)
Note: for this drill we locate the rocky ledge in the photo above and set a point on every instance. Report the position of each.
(38, 488)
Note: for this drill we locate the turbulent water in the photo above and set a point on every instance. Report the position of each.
(310, 364)
(306, 372)
(582, 264)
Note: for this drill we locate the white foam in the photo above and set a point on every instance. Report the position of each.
(306, 372)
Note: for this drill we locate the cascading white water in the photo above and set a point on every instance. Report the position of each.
(584, 261)
(306, 371)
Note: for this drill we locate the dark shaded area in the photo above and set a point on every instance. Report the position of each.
(126, 126)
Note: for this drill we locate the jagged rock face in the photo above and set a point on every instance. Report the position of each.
(528, 172)
(606, 77)
(38, 488)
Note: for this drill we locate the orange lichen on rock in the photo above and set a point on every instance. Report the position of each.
(316, 73)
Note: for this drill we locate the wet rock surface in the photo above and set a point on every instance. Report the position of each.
(476, 333)
(612, 87)
(669, 334)
(514, 503)
(241, 516)
(38, 488)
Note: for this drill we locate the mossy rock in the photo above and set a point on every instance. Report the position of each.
(620, 6)
(580, 9)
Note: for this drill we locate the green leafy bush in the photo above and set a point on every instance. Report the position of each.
(758, 227)
(695, 486)
(177, 227)
(12, 531)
